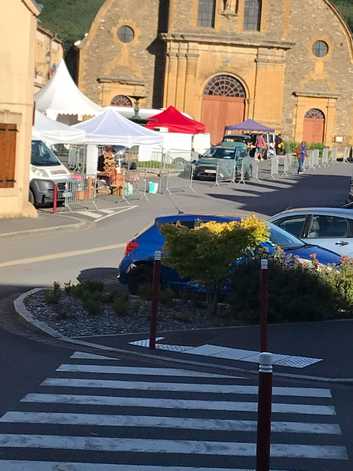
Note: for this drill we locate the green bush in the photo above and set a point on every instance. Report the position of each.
(92, 306)
(120, 306)
(297, 292)
(53, 295)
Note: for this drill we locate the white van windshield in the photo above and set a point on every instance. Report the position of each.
(42, 156)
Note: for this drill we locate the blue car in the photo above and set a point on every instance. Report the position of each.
(136, 266)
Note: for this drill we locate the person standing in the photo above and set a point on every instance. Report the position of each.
(261, 147)
(301, 154)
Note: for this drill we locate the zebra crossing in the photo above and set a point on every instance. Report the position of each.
(99, 414)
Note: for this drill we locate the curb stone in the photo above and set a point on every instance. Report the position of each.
(22, 311)
(75, 225)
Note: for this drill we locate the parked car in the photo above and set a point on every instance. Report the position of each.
(206, 166)
(136, 267)
(330, 228)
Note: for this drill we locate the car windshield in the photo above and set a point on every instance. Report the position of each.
(42, 156)
(221, 153)
(282, 238)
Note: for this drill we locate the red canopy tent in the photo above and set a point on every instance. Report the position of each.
(175, 121)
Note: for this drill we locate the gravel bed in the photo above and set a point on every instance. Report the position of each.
(70, 318)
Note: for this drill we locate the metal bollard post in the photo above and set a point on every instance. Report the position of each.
(263, 295)
(156, 287)
(263, 448)
(55, 198)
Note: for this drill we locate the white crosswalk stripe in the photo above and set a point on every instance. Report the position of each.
(139, 418)
(90, 356)
(138, 371)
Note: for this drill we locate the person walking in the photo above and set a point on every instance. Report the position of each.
(301, 155)
(261, 147)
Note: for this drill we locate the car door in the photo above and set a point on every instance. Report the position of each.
(331, 232)
(294, 224)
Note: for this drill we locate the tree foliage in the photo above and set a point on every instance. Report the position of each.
(206, 252)
(70, 19)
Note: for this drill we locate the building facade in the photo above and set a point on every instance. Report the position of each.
(48, 53)
(285, 63)
(16, 105)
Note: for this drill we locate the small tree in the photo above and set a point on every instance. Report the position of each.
(206, 253)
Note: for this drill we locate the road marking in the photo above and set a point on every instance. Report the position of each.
(64, 466)
(237, 354)
(91, 356)
(127, 370)
(118, 401)
(90, 214)
(123, 210)
(58, 256)
(164, 422)
(188, 447)
(199, 388)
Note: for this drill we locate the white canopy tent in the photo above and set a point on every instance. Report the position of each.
(52, 132)
(61, 96)
(111, 128)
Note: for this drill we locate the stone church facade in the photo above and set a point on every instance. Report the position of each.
(285, 63)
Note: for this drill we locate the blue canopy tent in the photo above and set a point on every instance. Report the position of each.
(249, 126)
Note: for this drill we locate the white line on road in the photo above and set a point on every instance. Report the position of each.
(60, 255)
(90, 214)
(199, 388)
(187, 447)
(91, 356)
(64, 466)
(164, 422)
(137, 371)
(145, 402)
(122, 210)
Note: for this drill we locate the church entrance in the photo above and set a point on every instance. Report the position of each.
(314, 126)
(223, 104)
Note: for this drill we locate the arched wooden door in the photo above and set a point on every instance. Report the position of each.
(223, 104)
(314, 126)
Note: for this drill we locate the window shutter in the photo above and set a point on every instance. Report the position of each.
(7, 155)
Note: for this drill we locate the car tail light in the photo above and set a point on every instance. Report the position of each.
(131, 246)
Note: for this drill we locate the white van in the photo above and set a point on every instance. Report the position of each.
(45, 171)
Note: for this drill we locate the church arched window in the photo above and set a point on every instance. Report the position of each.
(225, 85)
(252, 15)
(121, 100)
(206, 14)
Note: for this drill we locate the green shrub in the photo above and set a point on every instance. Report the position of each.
(92, 306)
(167, 296)
(296, 292)
(53, 295)
(120, 306)
(145, 291)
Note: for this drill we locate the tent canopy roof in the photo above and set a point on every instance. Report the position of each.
(62, 96)
(54, 132)
(111, 128)
(249, 125)
(175, 121)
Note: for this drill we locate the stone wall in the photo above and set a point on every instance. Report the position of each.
(130, 67)
(328, 78)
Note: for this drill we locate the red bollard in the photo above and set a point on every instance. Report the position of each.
(156, 289)
(263, 448)
(55, 198)
(263, 305)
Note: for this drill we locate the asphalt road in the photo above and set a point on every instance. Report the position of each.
(27, 358)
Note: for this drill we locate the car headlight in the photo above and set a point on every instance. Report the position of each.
(40, 173)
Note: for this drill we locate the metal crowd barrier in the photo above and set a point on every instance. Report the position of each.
(177, 172)
(80, 191)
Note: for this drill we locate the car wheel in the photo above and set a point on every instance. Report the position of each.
(139, 276)
(32, 198)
